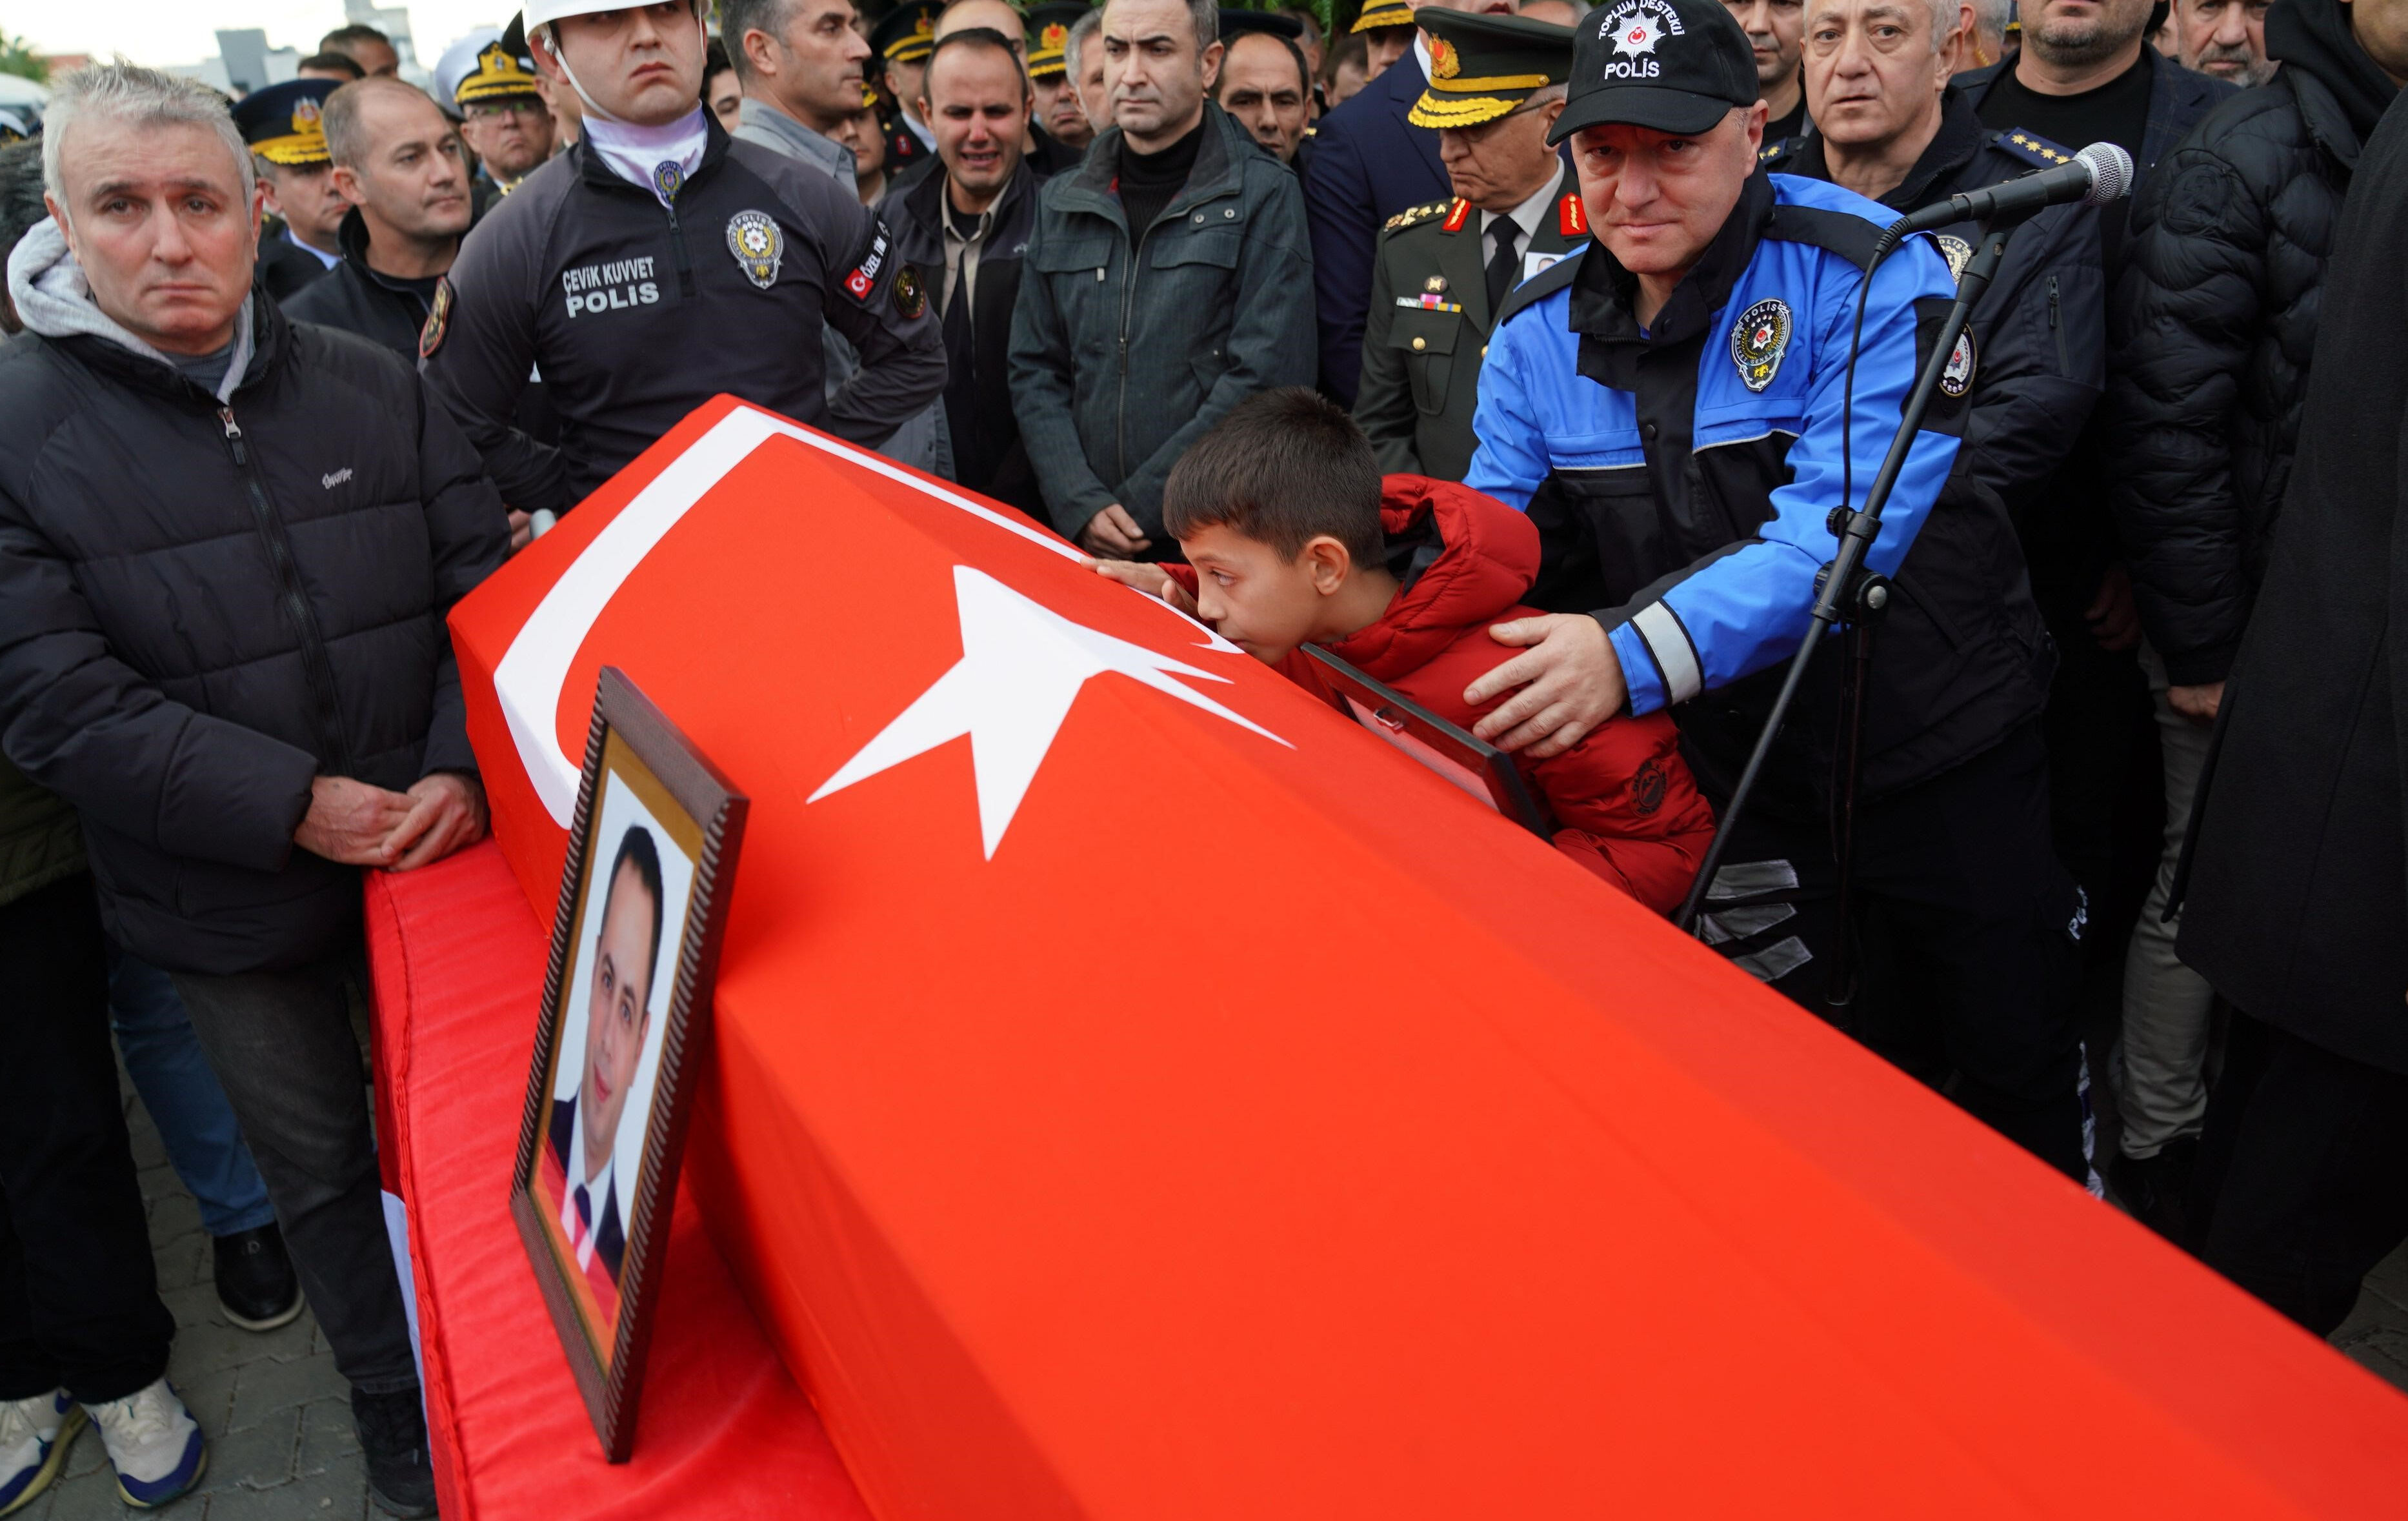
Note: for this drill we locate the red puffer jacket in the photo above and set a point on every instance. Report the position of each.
(1629, 808)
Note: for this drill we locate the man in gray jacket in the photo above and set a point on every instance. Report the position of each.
(1170, 278)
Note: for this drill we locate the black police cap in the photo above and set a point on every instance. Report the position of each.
(1675, 66)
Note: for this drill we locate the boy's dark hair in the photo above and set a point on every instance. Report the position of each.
(637, 849)
(1283, 467)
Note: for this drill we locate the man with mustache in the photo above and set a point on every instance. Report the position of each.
(2226, 39)
(405, 173)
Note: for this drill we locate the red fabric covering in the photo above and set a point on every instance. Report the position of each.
(1437, 1179)
(724, 1432)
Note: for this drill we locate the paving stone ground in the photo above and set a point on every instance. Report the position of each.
(278, 1417)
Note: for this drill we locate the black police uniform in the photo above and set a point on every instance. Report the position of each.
(637, 314)
(2040, 331)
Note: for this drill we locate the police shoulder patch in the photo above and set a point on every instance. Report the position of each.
(1759, 340)
(862, 278)
(1417, 213)
(911, 297)
(1957, 251)
(2032, 148)
(1963, 360)
(759, 245)
(439, 319)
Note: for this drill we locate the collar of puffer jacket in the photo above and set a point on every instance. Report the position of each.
(55, 300)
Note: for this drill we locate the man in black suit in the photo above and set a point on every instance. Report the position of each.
(618, 1016)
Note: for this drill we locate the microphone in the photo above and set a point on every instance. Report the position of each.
(2101, 173)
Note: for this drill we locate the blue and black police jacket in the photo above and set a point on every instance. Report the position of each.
(1683, 478)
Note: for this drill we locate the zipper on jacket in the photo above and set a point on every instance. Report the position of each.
(315, 666)
(1128, 304)
(2057, 328)
(677, 247)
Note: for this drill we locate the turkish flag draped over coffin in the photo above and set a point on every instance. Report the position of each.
(1138, 1093)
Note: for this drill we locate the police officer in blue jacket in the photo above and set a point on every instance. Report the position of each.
(1672, 408)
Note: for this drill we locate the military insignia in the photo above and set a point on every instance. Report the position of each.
(1054, 39)
(439, 319)
(1759, 340)
(2033, 149)
(1957, 378)
(1572, 218)
(1436, 285)
(306, 117)
(1412, 214)
(759, 245)
(1432, 302)
(1957, 251)
(1445, 63)
(911, 297)
(1456, 215)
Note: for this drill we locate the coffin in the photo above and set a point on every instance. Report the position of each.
(1138, 1093)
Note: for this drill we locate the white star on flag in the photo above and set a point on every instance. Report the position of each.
(1022, 665)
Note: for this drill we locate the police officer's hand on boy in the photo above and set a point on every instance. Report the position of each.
(1675, 409)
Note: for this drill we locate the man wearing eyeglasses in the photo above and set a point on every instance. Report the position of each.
(505, 120)
(1441, 271)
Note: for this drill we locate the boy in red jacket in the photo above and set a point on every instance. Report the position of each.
(1291, 538)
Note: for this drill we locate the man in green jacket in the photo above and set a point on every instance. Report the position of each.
(1169, 278)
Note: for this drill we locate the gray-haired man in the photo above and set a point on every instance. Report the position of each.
(228, 547)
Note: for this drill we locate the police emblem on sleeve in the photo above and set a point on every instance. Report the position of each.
(911, 297)
(1759, 340)
(1957, 253)
(759, 246)
(439, 319)
(1957, 378)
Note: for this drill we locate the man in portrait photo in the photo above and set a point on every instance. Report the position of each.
(584, 1131)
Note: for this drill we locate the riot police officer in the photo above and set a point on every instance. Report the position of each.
(1441, 271)
(656, 264)
(1676, 409)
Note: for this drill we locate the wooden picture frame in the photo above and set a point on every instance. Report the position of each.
(641, 778)
(1454, 754)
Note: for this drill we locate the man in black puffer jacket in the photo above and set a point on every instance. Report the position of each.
(2216, 318)
(227, 546)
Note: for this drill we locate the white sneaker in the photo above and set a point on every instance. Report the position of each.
(34, 1435)
(154, 1443)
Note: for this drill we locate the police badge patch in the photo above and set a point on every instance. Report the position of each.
(911, 297)
(759, 246)
(1959, 253)
(1957, 378)
(1759, 340)
(439, 319)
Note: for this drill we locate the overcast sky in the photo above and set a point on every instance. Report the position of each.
(164, 31)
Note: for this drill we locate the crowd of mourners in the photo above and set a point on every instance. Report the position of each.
(1530, 359)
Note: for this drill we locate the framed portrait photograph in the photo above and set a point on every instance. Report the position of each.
(626, 1007)
(1476, 767)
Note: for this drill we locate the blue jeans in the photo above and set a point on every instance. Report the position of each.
(195, 1123)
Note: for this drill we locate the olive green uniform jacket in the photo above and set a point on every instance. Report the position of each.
(1428, 325)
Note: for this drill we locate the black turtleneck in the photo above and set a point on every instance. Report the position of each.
(1149, 181)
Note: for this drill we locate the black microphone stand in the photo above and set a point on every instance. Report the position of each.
(1847, 592)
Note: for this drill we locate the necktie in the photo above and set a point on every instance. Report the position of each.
(584, 1221)
(1502, 264)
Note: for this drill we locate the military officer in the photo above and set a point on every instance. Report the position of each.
(1676, 409)
(504, 119)
(298, 243)
(904, 38)
(1058, 110)
(1441, 271)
